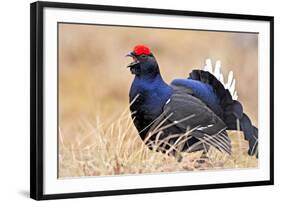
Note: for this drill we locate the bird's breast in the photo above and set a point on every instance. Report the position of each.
(147, 99)
(147, 104)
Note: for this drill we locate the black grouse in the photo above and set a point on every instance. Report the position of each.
(189, 114)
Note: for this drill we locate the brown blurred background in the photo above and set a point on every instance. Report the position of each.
(94, 81)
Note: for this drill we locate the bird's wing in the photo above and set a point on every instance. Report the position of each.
(187, 112)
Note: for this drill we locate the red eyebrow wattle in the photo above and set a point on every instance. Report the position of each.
(141, 49)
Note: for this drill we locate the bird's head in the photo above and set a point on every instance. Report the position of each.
(144, 63)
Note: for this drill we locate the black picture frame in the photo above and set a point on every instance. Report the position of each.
(37, 98)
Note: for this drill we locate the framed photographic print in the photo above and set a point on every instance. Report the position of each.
(136, 100)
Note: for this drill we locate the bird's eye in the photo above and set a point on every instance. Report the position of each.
(143, 56)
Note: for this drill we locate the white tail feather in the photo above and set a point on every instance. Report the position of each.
(230, 84)
(217, 69)
(208, 66)
(230, 77)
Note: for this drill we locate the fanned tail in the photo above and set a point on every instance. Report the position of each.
(233, 114)
(230, 84)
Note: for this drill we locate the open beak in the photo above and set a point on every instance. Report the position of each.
(135, 60)
(130, 54)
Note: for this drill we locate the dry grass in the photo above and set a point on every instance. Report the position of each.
(114, 148)
(97, 137)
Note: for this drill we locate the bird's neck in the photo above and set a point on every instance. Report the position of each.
(149, 76)
(151, 82)
(153, 88)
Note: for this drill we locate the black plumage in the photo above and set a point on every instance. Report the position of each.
(189, 115)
